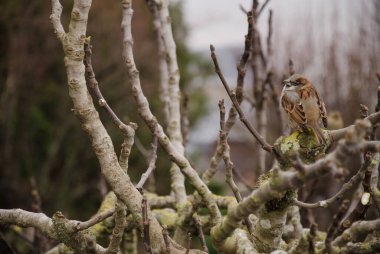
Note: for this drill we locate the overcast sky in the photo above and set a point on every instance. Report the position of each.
(300, 26)
(221, 22)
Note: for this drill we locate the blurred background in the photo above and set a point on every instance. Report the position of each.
(334, 43)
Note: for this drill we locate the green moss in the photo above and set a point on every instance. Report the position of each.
(299, 142)
(264, 178)
(281, 203)
(166, 216)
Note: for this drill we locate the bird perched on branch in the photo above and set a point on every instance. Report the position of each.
(303, 107)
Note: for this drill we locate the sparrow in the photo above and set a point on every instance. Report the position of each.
(303, 107)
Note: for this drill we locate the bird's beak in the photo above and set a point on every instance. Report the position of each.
(286, 83)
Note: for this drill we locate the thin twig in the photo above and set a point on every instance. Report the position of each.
(229, 164)
(145, 218)
(291, 67)
(267, 147)
(152, 164)
(242, 8)
(361, 208)
(127, 129)
(94, 220)
(242, 180)
(358, 177)
(262, 7)
(334, 225)
(268, 80)
(374, 183)
(165, 234)
(185, 119)
(188, 243)
(311, 238)
(201, 235)
(145, 152)
(40, 242)
(241, 68)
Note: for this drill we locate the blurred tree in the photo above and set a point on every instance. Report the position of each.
(38, 137)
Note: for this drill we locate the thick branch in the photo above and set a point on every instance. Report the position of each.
(168, 58)
(281, 182)
(57, 228)
(339, 134)
(55, 19)
(358, 229)
(118, 230)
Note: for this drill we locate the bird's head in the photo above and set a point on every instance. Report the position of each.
(295, 82)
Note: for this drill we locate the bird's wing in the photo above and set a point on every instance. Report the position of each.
(294, 110)
(306, 92)
(322, 109)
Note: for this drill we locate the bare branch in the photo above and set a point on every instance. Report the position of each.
(166, 238)
(357, 178)
(118, 230)
(55, 19)
(200, 233)
(162, 66)
(241, 68)
(185, 119)
(286, 181)
(145, 218)
(367, 247)
(311, 238)
(168, 53)
(57, 228)
(358, 213)
(339, 134)
(94, 220)
(151, 167)
(375, 180)
(242, 180)
(227, 161)
(334, 225)
(232, 96)
(145, 152)
(291, 67)
(262, 7)
(358, 229)
(127, 129)
(151, 121)
(188, 243)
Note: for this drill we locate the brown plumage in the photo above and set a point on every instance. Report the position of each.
(303, 106)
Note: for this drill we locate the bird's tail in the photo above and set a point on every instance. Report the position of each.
(319, 134)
